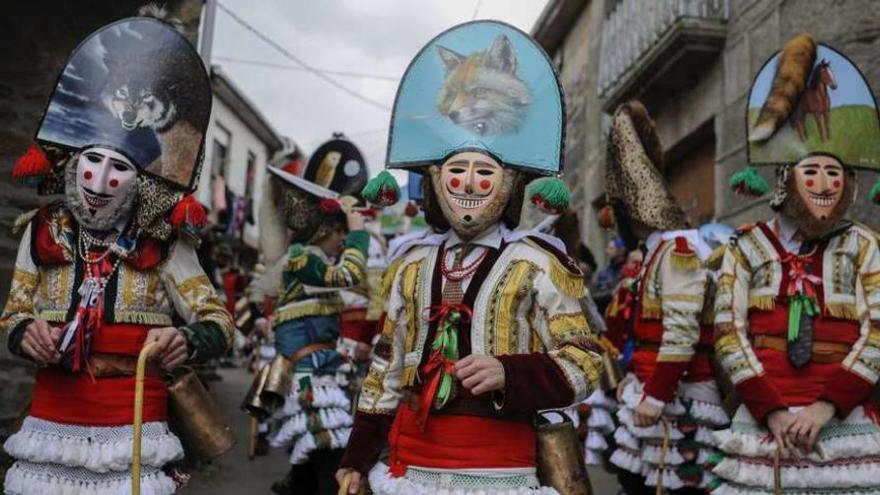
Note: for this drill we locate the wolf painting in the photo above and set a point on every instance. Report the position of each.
(481, 91)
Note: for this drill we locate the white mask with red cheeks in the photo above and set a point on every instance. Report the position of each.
(472, 189)
(819, 181)
(104, 188)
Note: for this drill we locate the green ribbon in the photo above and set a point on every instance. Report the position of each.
(447, 342)
(798, 304)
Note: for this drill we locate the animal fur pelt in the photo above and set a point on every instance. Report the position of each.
(792, 73)
(647, 132)
(161, 13)
(273, 227)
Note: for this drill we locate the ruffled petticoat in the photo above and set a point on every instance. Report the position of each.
(316, 415)
(54, 458)
(846, 459)
(692, 417)
(425, 481)
(600, 424)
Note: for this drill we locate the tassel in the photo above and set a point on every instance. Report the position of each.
(329, 206)
(411, 210)
(748, 182)
(683, 257)
(549, 194)
(875, 193)
(382, 190)
(188, 215)
(606, 218)
(32, 167)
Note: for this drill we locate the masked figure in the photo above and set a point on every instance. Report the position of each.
(483, 324)
(112, 265)
(796, 311)
(327, 253)
(669, 401)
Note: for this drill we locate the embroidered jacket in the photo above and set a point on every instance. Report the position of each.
(752, 300)
(298, 282)
(526, 312)
(153, 283)
(669, 303)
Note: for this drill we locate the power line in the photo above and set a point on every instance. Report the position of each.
(296, 67)
(316, 72)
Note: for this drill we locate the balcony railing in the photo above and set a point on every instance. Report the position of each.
(640, 37)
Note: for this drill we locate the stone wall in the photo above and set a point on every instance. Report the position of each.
(756, 29)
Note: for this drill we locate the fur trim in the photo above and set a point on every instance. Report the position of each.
(161, 13)
(795, 63)
(646, 131)
(22, 220)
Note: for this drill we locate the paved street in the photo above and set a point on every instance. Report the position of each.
(235, 474)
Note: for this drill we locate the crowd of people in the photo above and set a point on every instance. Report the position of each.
(474, 356)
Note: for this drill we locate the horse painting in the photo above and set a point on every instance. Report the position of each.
(816, 102)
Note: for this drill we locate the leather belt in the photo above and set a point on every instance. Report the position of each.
(483, 408)
(302, 352)
(647, 345)
(823, 352)
(113, 365)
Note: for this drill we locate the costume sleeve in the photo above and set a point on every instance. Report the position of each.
(858, 372)
(348, 272)
(568, 368)
(380, 392)
(20, 304)
(682, 288)
(732, 347)
(209, 328)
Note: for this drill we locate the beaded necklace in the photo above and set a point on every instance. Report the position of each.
(463, 272)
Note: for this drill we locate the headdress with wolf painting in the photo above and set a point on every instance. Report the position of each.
(136, 86)
(809, 98)
(480, 86)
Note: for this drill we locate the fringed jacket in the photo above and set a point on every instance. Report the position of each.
(759, 278)
(525, 311)
(157, 284)
(669, 299)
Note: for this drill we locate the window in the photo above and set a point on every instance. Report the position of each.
(250, 175)
(220, 151)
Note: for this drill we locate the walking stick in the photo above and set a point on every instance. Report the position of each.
(139, 417)
(663, 450)
(252, 441)
(777, 471)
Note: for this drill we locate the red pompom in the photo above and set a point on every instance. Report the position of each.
(606, 218)
(411, 209)
(189, 215)
(329, 206)
(32, 165)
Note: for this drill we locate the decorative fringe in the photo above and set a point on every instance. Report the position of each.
(549, 194)
(23, 219)
(32, 167)
(570, 284)
(606, 218)
(383, 483)
(409, 376)
(842, 310)
(748, 182)
(189, 215)
(141, 318)
(764, 303)
(875, 193)
(382, 190)
(713, 262)
(26, 479)
(683, 256)
(652, 309)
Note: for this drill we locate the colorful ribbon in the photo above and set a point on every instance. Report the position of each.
(440, 367)
(802, 296)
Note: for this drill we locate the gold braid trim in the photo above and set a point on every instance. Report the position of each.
(566, 327)
(143, 318)
(409, 375)
(570, 284)
(388, 278)
(684, 261)
(54, 316)
(870, 280)
(409, 288)
(842, 310)
(652, 308)
(297, 263)
(764, 303)
(608, 348)
(583, 360)
(713, 262)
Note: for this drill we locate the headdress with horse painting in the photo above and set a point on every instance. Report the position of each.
(808, 99)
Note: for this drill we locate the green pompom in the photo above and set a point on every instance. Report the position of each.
(875, 193)
(549, 194)
(748, 182)
(382, 190)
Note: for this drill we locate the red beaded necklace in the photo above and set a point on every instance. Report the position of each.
(462, 273)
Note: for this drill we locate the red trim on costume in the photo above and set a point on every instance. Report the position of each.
(148, 254)
(354, 326)
(74, 398)
(663, 382)
(846, 390)
(120, 338)
(682, 247)
(459, 442)
(761, 397)
(45, 251)
(367, 439)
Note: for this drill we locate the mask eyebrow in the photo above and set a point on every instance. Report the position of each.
(460, 163)
(486, 164)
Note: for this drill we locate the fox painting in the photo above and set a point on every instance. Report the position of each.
(481, 91)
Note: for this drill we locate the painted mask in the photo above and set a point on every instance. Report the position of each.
(473, 190)
(104, 187)
(819, 181)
